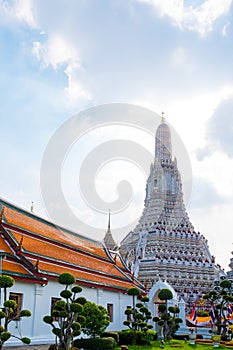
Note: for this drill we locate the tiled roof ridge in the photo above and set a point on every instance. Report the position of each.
(95, 284)
(44, 221)
(77, 266)
(126, 275)
(123, 262)
(34, 278)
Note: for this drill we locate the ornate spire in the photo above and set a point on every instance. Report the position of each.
(163, 145)
(108, 239)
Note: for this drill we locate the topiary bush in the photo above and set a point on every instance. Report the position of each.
(219, 299)
(129, 336)
(114, 335)
(7, 312)
(96, 319)
(68, 313)
(96, 343)
(168, 318)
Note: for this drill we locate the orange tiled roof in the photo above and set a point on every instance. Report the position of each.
(86, 276)
(48, 251)
(4, 246)
(44, 249)
(14, 266)
(30, 222)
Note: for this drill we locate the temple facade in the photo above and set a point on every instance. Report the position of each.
(164, 245)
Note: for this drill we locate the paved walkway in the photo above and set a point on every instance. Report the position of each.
(28, 347)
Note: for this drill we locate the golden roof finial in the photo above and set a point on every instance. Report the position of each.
(32, 207)
(162, 118)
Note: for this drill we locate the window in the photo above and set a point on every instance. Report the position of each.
(110, 311)
(17, 297)
(53, 302)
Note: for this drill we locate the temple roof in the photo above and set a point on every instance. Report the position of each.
(38, 250)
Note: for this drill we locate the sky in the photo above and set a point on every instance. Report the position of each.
(59, 58)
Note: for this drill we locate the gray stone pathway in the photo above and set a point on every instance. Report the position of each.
(28, 347)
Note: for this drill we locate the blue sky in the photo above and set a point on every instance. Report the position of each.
(60, 57)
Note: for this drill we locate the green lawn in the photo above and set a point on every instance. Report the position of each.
(168, 346)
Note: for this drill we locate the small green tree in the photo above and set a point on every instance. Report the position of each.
(220, 298)
(167, 319)
(67, 312)
(7, 312)
(96, 319)
(138, 314)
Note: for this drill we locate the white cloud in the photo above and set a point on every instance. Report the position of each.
(75, 89)
(57, 52)
(225, 29)
(20, 10)
(199, 18)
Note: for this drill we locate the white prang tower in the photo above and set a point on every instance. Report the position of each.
(164, 244)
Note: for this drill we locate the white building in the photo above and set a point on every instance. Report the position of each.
(35, 252)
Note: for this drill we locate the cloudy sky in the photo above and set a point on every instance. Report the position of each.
(58, 58)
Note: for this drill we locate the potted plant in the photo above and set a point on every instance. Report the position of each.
(216, 339)
(192, 336)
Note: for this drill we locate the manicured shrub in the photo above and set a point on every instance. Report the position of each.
(96, 343)
(96, 319)
(25, 340)
(25, 313)
(67, 311)
(129, 337)
(168, 320)
(67, 279)
(7, 312)
(114, 335)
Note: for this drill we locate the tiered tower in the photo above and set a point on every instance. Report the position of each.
(164, 243)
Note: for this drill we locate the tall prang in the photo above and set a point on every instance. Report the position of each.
(164, 244)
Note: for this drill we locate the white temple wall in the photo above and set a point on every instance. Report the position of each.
(37, 299)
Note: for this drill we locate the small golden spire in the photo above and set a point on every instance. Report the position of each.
(32, 207)
(162, 118)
